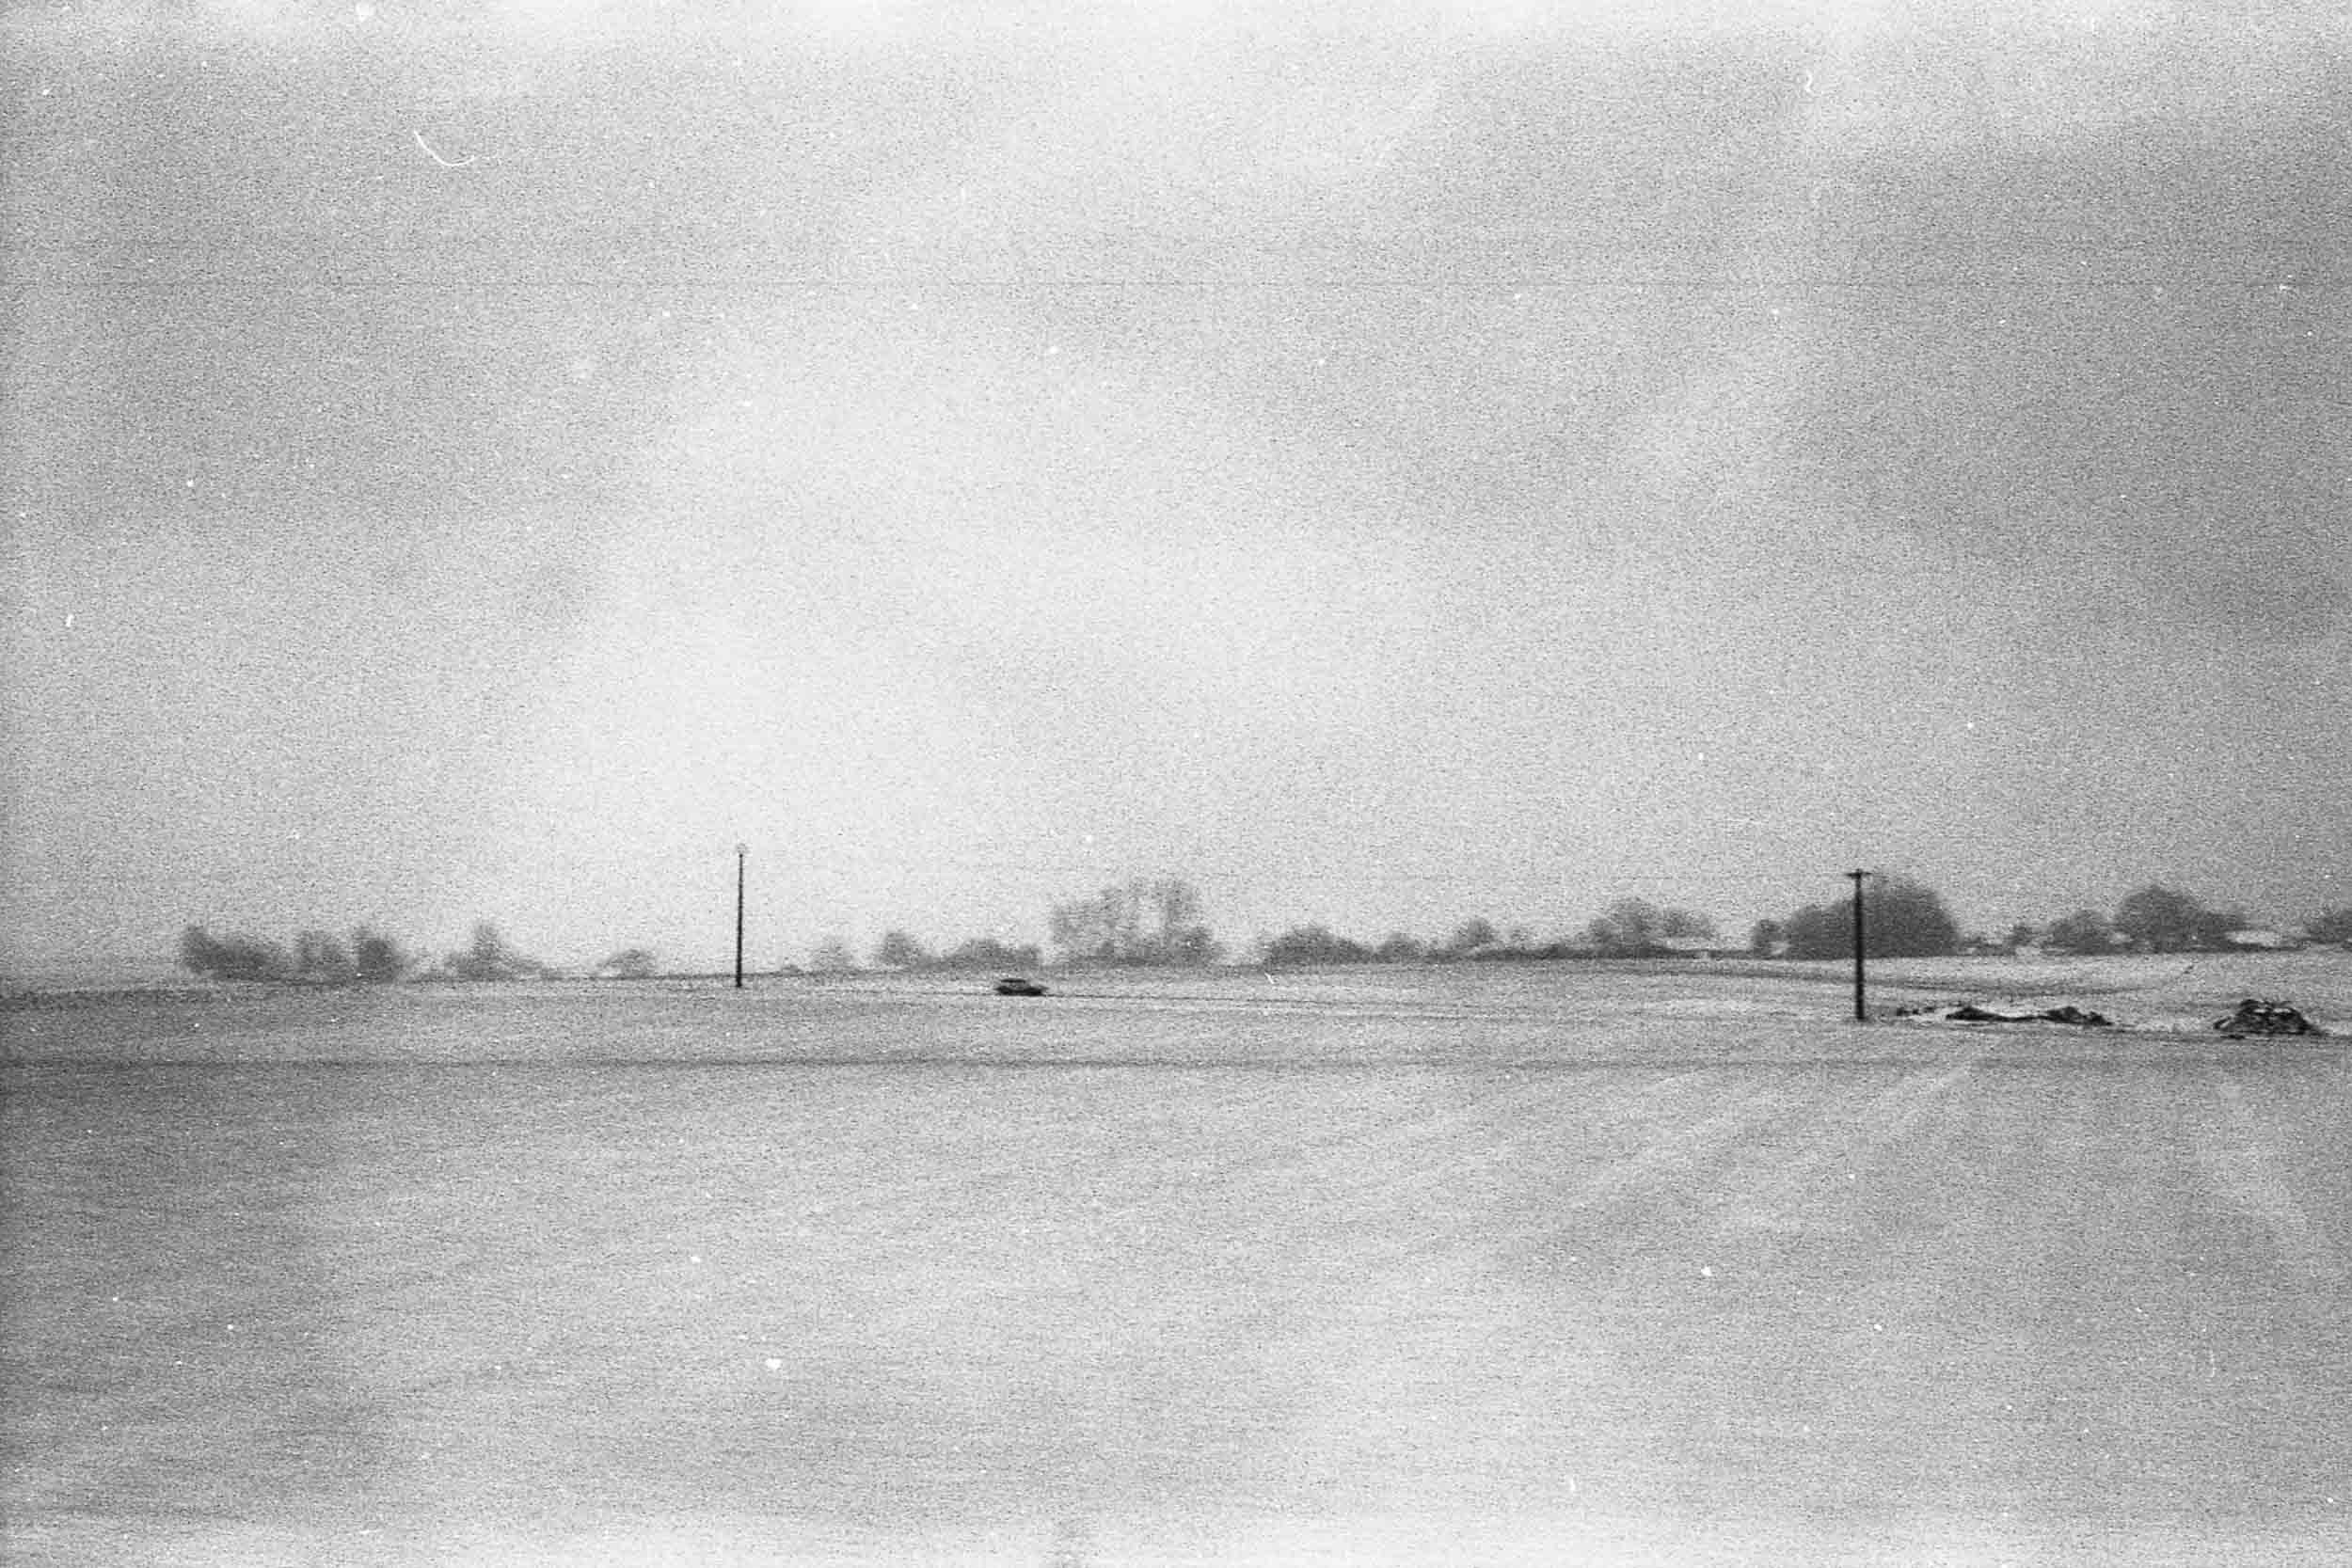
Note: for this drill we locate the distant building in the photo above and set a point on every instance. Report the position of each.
(1701, 947)
(2259, 940)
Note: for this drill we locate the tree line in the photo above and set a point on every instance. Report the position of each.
(901, 951)
(1902, 918)
(1628, 928)
(1141, 922)
(2161, 919)
(319, 957)
(1161, 921)
(367, 956)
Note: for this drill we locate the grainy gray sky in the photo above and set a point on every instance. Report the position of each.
(1389, 462)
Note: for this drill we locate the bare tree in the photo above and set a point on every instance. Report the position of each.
(1136, 922)
(488, 956)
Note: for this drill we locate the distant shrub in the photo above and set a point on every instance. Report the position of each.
(1304, 945)
(631, 963)
(897, 950)
(2084, 932)
(989, 953)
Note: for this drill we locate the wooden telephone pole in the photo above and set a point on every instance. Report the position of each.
(1861, 1014)
(740, 851)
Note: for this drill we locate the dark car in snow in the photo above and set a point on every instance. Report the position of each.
(1016, 985)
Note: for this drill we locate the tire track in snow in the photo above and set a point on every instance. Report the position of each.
(2237, 1158)
(1780, 1203)
(1686, 1151)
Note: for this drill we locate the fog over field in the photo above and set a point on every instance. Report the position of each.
(1534, 1264)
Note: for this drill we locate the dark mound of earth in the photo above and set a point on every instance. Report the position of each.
(1968, 1012)
(2265, 1018)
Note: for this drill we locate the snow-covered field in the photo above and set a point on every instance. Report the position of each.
(1526, 1265)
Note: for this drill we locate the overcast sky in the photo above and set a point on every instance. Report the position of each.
(1388, 462)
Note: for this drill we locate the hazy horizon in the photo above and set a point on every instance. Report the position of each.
(1388, 463)
(714, 955)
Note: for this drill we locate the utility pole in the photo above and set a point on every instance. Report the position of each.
(1860, 1014)
(741, 850)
